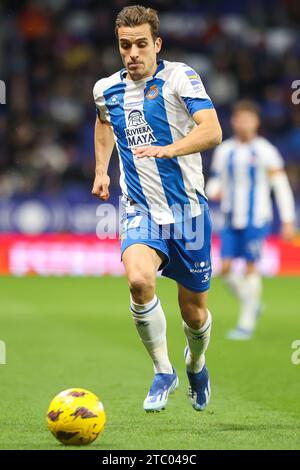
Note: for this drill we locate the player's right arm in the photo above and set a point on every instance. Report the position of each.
(104, 144)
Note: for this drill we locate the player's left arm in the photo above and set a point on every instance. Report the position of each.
(205, 135)
(284, 200)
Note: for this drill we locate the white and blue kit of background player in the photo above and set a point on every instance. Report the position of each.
(243, 175)
(242, 172)
(160, 196)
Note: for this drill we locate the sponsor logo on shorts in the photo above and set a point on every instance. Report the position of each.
(202, 267)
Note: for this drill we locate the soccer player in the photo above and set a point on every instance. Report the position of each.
(244, 170)
(160, 117)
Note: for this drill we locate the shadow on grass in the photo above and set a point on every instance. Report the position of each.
(256, 427)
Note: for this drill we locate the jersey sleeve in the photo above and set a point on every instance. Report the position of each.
(213, 187)
(273, 158)
(189, 88)
(101, 109)
(218, 161)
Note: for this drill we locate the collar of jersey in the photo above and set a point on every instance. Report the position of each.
(160, 66)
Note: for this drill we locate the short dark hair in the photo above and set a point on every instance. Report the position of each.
(246, 105)
(137, 15)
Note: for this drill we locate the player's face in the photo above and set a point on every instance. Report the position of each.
(138, 50)
(245, 124)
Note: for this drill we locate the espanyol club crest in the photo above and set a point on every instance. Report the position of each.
(152, 93)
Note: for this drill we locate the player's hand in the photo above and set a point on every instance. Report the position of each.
(154, 151)
(100, 187)
(288, 231)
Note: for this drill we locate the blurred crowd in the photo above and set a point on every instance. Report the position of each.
(53, 51)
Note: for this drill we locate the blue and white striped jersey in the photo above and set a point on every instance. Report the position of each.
(242, 170)
(156, 111)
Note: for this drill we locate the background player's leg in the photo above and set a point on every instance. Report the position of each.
(196, 324)
(249, 294)
(232, 280)
(230, 249)
(141, 264)
(250, 298)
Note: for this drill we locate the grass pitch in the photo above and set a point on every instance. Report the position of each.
(78, 332)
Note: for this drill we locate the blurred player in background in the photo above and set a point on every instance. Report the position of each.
(161, 118)
(245, 168)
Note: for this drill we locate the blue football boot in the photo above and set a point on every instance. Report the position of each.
(162, 386)
(199, 389)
